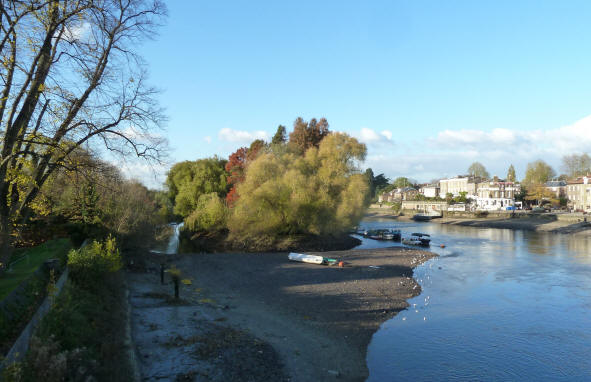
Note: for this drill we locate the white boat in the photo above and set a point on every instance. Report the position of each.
(311, 259)
(420, 239)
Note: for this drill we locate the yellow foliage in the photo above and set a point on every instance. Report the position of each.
(319, 193)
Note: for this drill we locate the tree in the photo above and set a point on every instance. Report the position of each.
(70, 77)
(576, 165)
(402, 182)
(380, 182)
(538, 172)
(211, 214)
(190, 180)
(538, 193)
(279, 138)
(307, 134)
(375, 182)
(320, 193)
(511, 174)
(237, 164)
(477, 169)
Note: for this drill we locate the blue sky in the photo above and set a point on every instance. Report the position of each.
(429, 86)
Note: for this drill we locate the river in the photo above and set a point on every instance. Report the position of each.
(495, 305)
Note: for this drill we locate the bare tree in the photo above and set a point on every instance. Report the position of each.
(70, 78)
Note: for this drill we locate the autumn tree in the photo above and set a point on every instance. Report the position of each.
(307, 134)
(70, 77)
(477, 169)
(576, 165)
(236, 167)
(511, 174)
(538, 172)
(539, 193)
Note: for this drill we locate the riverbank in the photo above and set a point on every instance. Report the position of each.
(530, 222)
(319, 320)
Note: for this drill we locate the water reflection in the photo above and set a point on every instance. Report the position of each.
(496, 305)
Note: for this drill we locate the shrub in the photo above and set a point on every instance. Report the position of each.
(90, 264)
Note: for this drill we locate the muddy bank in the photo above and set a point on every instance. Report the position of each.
(218, 242)
(543, 223)
(187, 340)
(319, 319)
(312, 322)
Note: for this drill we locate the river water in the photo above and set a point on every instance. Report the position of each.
(495, 305)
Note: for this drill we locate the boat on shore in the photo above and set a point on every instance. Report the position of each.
(418, 239)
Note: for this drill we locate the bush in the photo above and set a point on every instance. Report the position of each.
(90, 264)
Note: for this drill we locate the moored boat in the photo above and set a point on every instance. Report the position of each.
(419, 239)
(383, 234)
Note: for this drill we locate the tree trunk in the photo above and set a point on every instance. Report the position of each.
(5, 242)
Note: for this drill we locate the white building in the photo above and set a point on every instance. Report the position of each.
(496, 195)
(430, 190)
(459, 184)
(578, 193)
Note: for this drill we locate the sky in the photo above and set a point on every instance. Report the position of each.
(429, 86)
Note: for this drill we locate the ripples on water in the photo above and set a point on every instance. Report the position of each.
(496, 305)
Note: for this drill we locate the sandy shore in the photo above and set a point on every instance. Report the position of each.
(542, 222)
(318, 320)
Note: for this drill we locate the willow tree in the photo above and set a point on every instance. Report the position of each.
(320, 193)
(70, 78)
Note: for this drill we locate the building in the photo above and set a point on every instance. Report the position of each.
(496, 195)
(578, 193)
(558, 187)
(430, 190)
(461, 183)
(398, 195)
(424, 206)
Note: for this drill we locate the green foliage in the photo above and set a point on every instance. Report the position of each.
(538, 172)
(210, 215)
(477, 169)
(82, 336)
(376, 183)
(90, 264)
(187, 181)
(29, 261)
(319, 193)
(401, 182)
(280, 136)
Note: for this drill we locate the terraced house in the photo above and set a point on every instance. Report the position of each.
(578, 193)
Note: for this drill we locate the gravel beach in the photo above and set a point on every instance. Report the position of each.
(318, 319)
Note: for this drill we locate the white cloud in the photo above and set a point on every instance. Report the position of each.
(150, 174)
(241, 136)
(369, 136)
(450, 152)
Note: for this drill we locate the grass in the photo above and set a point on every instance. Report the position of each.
(25, 262)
